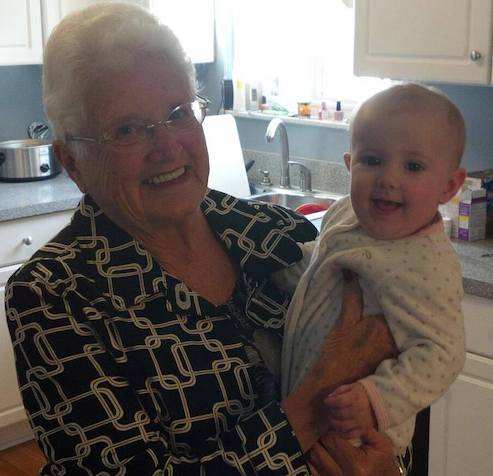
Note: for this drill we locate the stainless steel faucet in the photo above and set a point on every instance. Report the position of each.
(274, 125)
(305, 176)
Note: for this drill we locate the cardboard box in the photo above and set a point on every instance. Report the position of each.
(472, 215)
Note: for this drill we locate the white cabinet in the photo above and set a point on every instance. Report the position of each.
(21, 40)
(55, 10)
(461, 422)
(25, 25)
(11, 411)
(442, 40)
(20, 239)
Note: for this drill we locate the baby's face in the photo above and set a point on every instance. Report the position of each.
(402, 167)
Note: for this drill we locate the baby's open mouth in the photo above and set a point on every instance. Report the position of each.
(386, 205)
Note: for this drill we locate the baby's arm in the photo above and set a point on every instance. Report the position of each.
(350, 411)
(422, 305)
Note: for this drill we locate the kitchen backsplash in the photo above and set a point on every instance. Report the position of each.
(326, 175)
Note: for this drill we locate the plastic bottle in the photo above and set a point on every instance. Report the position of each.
(263, 104)
(239, 96)
(323, 113)
(338, 113)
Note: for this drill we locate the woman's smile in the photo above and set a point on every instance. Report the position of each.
(165, 177)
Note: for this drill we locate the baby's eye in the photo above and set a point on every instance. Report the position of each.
(414, 167)
(371, 160)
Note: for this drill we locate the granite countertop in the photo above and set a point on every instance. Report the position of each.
(25, 199)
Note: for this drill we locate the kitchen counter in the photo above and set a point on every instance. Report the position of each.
(26, 199)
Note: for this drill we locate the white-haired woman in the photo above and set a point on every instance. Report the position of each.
(147, 332)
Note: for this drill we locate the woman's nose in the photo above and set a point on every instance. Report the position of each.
(164, 142)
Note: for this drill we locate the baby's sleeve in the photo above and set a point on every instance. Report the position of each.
(421, 300)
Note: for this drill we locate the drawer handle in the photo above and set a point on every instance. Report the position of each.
(475, 55)
(27, 240)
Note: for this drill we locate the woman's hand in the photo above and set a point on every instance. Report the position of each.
(353, 349)
(332, 455)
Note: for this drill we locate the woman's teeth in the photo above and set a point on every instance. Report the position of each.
(165, 177)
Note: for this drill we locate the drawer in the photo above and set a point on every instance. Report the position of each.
(19, 239)
(478, 317)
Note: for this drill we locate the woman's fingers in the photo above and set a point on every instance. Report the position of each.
(352, 301)
(322, 462)
(374, 456)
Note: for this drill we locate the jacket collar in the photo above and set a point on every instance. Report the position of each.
(261, 239)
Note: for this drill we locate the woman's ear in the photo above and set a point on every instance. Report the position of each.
(347, 160)
(69, 163)
(454, 183)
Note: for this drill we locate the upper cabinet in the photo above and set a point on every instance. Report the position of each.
(55, 10)
(443, 40)
(21, 40)
(25, 25)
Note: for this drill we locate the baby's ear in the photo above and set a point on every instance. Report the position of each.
(454, 184)
(347, 160)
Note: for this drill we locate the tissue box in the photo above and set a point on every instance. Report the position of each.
(472, 215)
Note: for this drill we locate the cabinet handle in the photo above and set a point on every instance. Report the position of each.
(475, 55)
(27, 240)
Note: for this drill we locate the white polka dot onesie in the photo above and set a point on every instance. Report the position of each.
(416, 282)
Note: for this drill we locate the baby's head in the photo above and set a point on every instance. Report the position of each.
(406, 147)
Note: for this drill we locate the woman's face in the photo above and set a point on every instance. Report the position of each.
(160, 181)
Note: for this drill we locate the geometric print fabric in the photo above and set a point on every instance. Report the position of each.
(124, 370)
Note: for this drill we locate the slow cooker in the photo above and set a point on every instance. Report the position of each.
(27, 159)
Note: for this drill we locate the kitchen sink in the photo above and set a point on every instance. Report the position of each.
(307, 202)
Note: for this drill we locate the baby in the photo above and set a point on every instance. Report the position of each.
(406, 147)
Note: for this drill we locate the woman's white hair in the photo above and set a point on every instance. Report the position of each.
(99, 40)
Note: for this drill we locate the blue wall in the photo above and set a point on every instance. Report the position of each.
(20, 100)
(20, 103)
(475, 103)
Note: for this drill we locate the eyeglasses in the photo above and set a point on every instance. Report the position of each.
(182, 118)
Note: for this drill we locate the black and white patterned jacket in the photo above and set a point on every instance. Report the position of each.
(124, 370)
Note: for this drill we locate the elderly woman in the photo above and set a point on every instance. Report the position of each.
(147, 332)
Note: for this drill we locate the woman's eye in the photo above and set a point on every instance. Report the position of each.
(126, 130)
(180, 113)
(414, 167)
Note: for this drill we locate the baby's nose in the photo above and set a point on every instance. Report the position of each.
(388, 177)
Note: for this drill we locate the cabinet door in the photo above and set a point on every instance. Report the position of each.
(20, 32)
(461, 423)
(443, 40)
(55, 10)
(11, 409)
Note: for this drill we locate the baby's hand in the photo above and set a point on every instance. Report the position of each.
(350, 411)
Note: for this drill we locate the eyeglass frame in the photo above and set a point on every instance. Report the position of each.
(104, 139)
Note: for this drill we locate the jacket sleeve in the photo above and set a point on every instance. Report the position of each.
(288, 278)
(86, 416)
